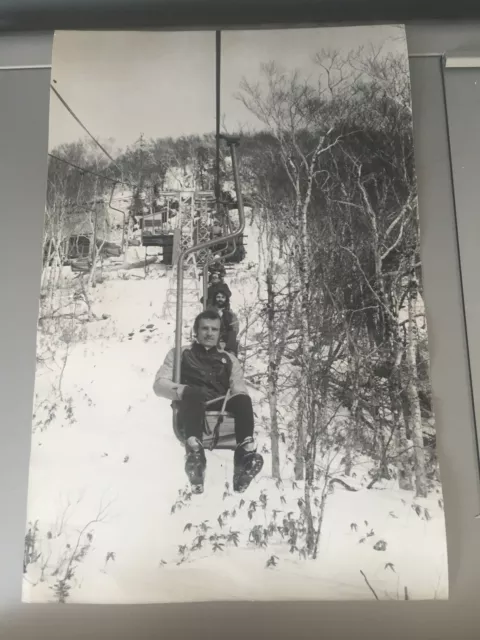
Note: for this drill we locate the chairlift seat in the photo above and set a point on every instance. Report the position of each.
(226, 435)
(163, 240)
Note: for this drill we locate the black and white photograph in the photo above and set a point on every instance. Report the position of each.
(232, 393)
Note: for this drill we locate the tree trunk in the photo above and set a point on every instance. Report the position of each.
(349, 438)
(304, 338)
(321, 515)
(272, 400)
(272, 376)
(94, 252)
(351, 435)
(128, 227)
(299, 466)
(383, 470)
(309, 486)
(317, 431)
(86, 298)
(403, 459)
(412, 394)
(53, 280)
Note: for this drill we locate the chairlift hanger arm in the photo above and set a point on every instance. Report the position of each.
(112, 193)
(232, 142)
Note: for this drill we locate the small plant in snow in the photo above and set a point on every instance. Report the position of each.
(68, 407)
(233, 537)
(70, 560)
(381, 545)
(227, 493)
(48, 414)
(184, 497)
(272, 562)
(270, 525)
(110, 556)
(418, 509)
(259, 536)
(58, 554)
(31, 552)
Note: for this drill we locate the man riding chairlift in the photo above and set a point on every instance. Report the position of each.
(210, 374)
(216, 282)
(219, 300)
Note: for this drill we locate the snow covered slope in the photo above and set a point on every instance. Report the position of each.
(112, 520)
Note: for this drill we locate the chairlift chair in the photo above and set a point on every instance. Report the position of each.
(218, 429)
(219, 426)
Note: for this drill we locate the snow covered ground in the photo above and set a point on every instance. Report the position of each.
(113, 512)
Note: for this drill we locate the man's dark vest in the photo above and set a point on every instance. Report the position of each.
(209, 369)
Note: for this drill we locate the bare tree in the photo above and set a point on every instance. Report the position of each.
(291, 109)
(281, 296)
(344, 148)
(414, 410)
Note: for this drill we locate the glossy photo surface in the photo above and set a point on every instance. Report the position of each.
(282, 445)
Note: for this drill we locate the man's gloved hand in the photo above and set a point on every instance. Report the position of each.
(195, 394)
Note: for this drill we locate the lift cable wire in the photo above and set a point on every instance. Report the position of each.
(77, 119)
(92, 173)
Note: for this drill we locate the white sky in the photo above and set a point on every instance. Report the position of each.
(122, 84)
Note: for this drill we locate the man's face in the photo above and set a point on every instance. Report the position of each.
(215, 278)
(220, 300)
(208, 332)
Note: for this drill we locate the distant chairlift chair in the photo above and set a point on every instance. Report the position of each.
(157, 231)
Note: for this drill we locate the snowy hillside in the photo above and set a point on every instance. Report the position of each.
(110, 514)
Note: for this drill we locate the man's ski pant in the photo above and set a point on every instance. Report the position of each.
(192, 416)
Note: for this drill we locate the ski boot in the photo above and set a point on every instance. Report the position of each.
(247, 463)
(195, 464)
